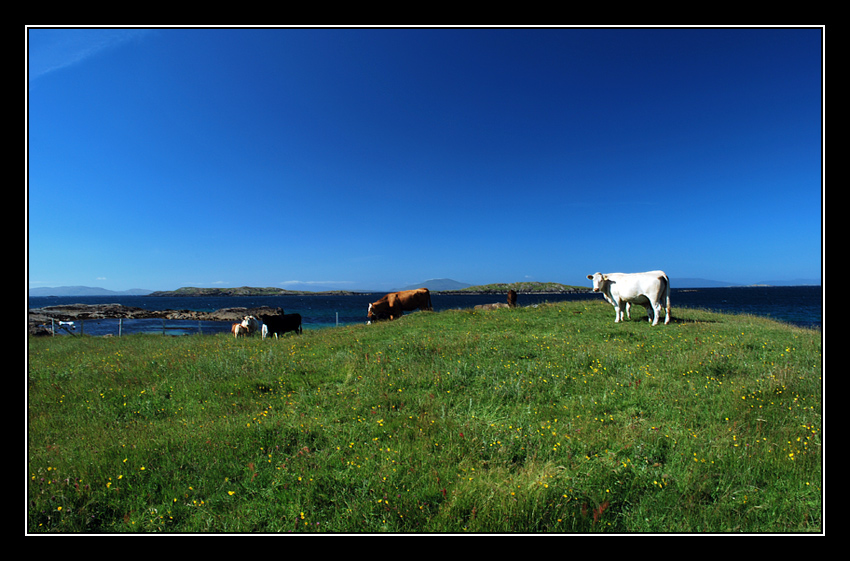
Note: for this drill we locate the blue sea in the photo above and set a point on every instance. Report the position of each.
(798, 305)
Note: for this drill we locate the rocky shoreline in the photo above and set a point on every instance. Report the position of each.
(39, 319)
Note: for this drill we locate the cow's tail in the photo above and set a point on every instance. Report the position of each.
(430, 308)
(666, 298)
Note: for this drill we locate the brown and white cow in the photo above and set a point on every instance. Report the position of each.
(393, 305)
(239, 330)
(651, 290)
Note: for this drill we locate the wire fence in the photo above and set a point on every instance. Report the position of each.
(123, 326)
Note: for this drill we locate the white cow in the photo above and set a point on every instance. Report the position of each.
(651, 290)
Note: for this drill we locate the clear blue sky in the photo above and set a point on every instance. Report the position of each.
(378, 158)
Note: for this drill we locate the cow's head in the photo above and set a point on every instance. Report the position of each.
(598, 279)
(378, 311)
(372, 312)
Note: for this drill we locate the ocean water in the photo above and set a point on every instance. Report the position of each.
(799, 305)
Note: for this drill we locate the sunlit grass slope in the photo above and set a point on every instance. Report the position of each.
(538, 419)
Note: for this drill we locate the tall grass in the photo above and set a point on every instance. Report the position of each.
(543, 419)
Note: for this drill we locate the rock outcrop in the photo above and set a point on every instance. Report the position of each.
(40, 318)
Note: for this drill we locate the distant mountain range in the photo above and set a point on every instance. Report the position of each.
(432, 284)
(707, 283)
(85, 291)
(438, 284)
(449, 284)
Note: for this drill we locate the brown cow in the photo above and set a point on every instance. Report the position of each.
(394, 304)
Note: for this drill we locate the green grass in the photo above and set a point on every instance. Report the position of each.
(546, 419)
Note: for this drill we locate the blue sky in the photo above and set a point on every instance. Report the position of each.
(378, 158)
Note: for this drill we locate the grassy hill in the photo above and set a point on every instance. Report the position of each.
(238, 291)
(547, 419)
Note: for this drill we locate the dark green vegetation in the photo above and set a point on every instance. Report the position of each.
(547, 419)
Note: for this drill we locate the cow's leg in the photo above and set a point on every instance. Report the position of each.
(618, 312)
(628, 311)
(657, 310)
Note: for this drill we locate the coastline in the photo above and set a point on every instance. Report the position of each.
(802, 306)
(39, 318)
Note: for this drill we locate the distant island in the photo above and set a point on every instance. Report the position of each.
(498, 288)
(520, 288)
(190, 291)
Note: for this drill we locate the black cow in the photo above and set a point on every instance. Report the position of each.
(278, 325)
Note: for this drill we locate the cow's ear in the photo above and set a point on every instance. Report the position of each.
(590, 277)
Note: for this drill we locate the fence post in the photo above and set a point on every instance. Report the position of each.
(120, 324)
